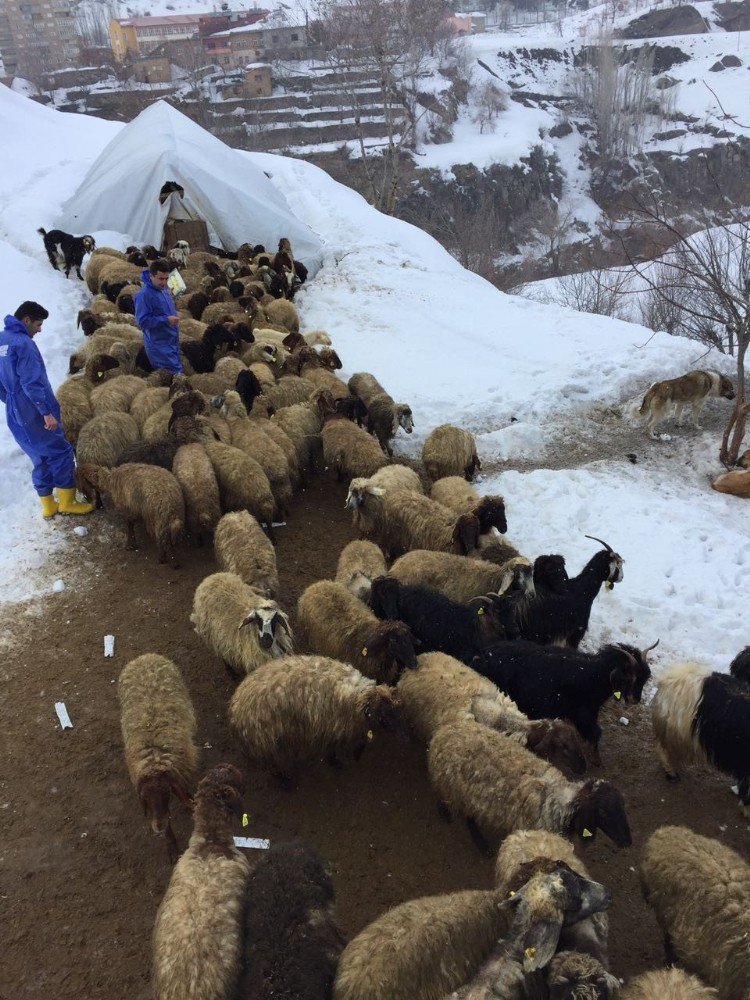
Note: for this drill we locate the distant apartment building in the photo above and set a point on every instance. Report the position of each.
(44, 33)
(8, 53)
(134, 37)
(236, 47)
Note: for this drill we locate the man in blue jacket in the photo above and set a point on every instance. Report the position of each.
(33, 413)
(156, 315)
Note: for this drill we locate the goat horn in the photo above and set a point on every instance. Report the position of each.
(649, 648)
(601, 542)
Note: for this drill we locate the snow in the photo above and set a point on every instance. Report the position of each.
(515, 372)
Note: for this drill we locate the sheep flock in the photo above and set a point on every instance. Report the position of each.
(435, 628)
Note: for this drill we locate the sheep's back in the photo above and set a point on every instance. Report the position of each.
(458, 577)
(103, 438)
(116, 394)
(193, 471)
(455, 493)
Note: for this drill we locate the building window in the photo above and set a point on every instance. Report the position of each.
(295, 38)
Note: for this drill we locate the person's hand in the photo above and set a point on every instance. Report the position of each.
(173, 320)
(50, 423)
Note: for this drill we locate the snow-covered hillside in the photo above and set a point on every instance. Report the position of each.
(514, 372)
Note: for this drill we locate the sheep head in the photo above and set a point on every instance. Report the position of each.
(550, 573)
(248, 387)
(492, 617)
(89, 243)
(384, 597)
(218, 801)
(155, 791)
(466, 534)
(391, 647)
(98, 366)
(740, 665)
(329, 359)
(598, 805)
(491, 514)
(404, 417)
(88, 321)
(179, 384)
(630, 670)
(92, 480)
(230, 405)
(126, 303)
(359, 490)
(574, 975)
(323, 403)
(517, 578)
(382, 709)
(272, 629)
(558, 742)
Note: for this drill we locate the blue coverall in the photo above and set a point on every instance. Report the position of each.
(28, 398)
(162, 342)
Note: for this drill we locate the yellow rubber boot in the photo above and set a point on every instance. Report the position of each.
(69, 504)
(49, 506)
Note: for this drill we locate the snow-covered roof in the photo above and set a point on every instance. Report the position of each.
(156, 22)
(235, 198)
(258, 65)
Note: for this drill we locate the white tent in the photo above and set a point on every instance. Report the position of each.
(234, 197)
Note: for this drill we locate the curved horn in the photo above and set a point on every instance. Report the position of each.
(649, 648)
(601, 542)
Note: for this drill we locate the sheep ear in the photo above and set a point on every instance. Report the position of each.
(375, 491)
(540, 943)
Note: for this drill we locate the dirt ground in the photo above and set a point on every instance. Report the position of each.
(80, 876)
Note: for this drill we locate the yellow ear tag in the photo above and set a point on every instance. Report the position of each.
(587, 833)
(100, 374)
(608, 584)
(511, 894)
(481, 611)
(617, 694)
(245, 819)
(370, 734)
(530, 952)
(364, 651)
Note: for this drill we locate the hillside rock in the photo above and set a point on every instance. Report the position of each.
(684, 20)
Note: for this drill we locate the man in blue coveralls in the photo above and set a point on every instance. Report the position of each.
(156, 315)
(33, 413)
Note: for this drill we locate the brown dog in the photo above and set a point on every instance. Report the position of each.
(675, 394)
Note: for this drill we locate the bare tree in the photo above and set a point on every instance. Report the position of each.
(599, 292)
(489, 102)
(390, 41)
(705, 280)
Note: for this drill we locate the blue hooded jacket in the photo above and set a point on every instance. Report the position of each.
(162, 342)
(24, 386)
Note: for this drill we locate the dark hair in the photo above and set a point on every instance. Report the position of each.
(159, 266)
(30, 310)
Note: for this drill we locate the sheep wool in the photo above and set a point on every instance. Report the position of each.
(404, 520)
(104, 437)
(147, 403)
(350, 451)
(74, 397)
(192, 469)
(457, 577)
(700, 890)
(117, 394)
(455, 493)
(359, 564)
(241, 626)
(396, 477)
(242, 547)
(450, 451)
(667, 984)
(243, 484)
(302, 707)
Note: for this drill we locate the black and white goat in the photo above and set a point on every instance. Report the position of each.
(700, 715)
(438, 623)
(72, 248)
(550, 682)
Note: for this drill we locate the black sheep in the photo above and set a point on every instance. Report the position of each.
(740, 665)
(551, 682)
(436, 622)
(202, 354)
(249, 388)
(160, 452)
(292, 941)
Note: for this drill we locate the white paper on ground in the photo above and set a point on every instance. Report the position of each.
(109, 645)
(254, 842)
(62, 715)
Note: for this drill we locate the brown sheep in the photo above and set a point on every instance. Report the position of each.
(457, 577)
(667, 984)
(302, 707)
(459, 496)
(198, 929)
(117, 394)
(360, 562)
(140, 493)
(394, 477)
(450, 451)
(349, 451)
(336, 624)
(193, 471)
(146, 403)
(302, 423)
(284, 312)
(102, 439)
(158, 732)
(242, 548)
(243, 485)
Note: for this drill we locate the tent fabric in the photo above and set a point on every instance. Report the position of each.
(234, 197)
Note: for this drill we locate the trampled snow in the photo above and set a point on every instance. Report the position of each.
(395, 303)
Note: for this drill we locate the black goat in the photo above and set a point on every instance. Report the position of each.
(293, 943)
(559, 613)
(204, 353)
(436, 622)
(740, 665)
(549, 682)
(73, 249)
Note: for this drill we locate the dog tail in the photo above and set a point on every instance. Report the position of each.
(646, 402)
(42, 232)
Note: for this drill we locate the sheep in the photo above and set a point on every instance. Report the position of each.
(197, 935)
(459, 496)
(243, 485)
(288, 391)
(148, 402)
(569, 975)
(74, 397)
(667, 984)
(423, 949)
(98, 260)
(402, 520)
(304, 707)
(702, 715)
(101, 343)
(499, 787)
(293, 943)
(700, 891)
(443, 690)
(527, 850)
(125, 301)
(546, 680)
(240, 625)
(336, 624)
(251, 439)
(117, 272)
(158, 732)
(460, 578)
(103, 438)
(242, 548)
(203, 354)
(312, 339)
(284, 312)
(358, 565)
(450, 451)
(160, 452)
(302, 423)
(192, 469)
(349, 451)
(393, 477)
(116, 395)
(384, 415)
